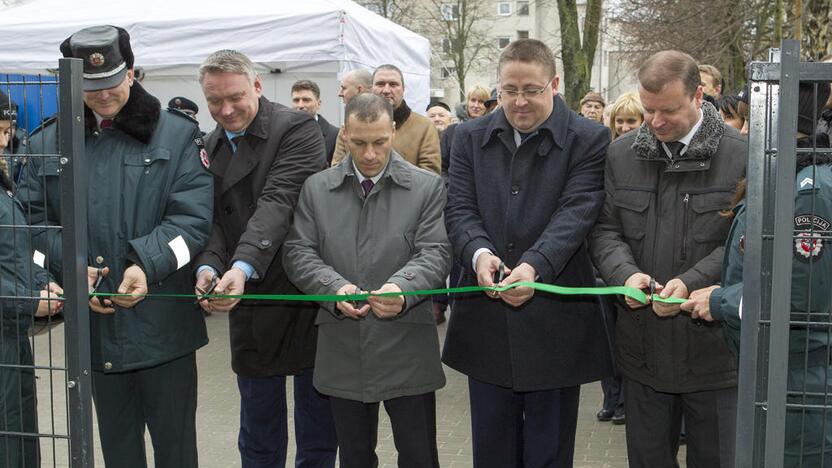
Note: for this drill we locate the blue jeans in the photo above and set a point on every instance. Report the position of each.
(263, 435)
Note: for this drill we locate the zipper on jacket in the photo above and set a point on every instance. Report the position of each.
(686, 208)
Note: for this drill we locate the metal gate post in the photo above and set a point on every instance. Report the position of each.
(74, 240)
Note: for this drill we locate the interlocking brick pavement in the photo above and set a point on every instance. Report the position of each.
(597, 445)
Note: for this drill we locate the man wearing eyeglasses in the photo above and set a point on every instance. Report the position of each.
(526, 185)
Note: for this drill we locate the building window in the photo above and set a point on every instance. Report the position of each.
(522, 34)
(450, 11)
(522, 8)
(504, 9)
(447, 45)
(503, 41)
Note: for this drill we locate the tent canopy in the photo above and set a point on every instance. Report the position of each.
(174, 37)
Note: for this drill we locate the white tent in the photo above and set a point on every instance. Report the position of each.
(290, 40)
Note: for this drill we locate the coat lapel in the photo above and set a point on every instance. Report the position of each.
(240, 163)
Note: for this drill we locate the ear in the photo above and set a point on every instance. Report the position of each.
(698, 96)
(130, 77)
(555, 84)
(258, 86)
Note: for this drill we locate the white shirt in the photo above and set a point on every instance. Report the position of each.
(361, 177)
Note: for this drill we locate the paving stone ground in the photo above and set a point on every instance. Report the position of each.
(598, 445)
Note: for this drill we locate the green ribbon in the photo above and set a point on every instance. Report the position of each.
(632, 293)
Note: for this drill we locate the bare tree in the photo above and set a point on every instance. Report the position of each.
(726, 33)
(818, 31)
(577, 50)
(397, 11)
(460, 30)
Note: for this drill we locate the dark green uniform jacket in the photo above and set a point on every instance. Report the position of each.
(809, 369)
(150, 203)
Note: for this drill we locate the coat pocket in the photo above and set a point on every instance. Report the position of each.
(708, 352)
(630, 326)
(633, 210)
(143, 175)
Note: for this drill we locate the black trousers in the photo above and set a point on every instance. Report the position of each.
(523, 429)
(163, 398)
(655, 418)
(414, 431)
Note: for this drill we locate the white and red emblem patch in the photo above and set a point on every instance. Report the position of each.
(809, 231)
(203, 156)
(97, 59)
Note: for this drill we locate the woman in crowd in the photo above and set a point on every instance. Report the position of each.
(626, 114)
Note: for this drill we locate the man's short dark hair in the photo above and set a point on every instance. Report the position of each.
(367, 108)
(667, 66)
(307, 85)
(529, 51)
(388, 66)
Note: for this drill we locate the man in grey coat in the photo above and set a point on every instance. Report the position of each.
(661, 227)
(374, 223)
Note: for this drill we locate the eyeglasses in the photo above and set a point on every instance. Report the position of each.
(528, 93)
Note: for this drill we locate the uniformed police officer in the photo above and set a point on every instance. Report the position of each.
(184, 105)
(19, 277)
(809, 371)
(150, 205)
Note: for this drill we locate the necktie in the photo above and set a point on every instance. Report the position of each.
(367, 185)
(106, 123)
(235, 143)
(675, 148)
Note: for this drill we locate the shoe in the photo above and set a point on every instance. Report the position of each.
(619, 418)
(604, 415)
(439, 313)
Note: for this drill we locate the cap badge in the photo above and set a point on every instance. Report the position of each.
(97, 59)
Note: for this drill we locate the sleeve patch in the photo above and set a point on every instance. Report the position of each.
(808, 232)
(180, 250)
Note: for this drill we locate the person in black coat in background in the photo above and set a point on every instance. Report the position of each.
(306, 97)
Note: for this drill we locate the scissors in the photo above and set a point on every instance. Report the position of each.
(98, 280)
(204, 294)
(358, 304)
(652, 288)
(499, 275)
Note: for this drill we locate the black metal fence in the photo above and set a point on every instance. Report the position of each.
(785, 396)
(45, 399)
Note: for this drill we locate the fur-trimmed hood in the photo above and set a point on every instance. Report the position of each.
(704, 144)
(138, 118)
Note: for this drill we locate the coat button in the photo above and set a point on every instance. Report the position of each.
(510, 246)
(265, 243)
(108, 365)
(229, 210)
(409, 275)
(515, 189)
(99, 260)
(326, 279)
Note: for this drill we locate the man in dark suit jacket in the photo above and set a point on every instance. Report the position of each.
(526, 185)
(260, 154)
(306, 97)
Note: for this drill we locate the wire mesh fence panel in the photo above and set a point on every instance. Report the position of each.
(45, 408)
(785, 405)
